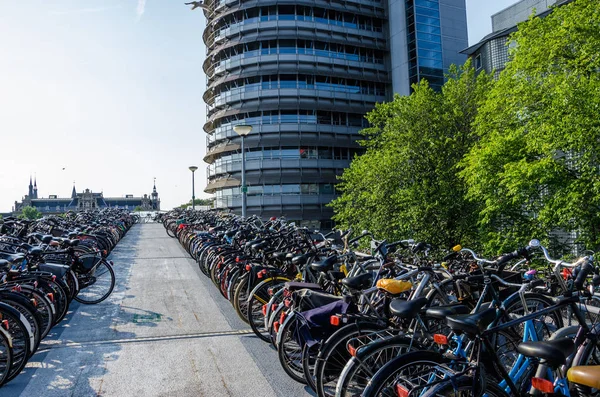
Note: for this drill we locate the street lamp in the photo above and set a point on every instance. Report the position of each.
(193, 168)
(243, 130)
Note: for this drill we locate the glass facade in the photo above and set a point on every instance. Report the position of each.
(298, 13)
(425, 42)
(304, 76)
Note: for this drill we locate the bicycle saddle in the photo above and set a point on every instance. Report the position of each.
(12, 257)
(358, 282)
(280, 256)
(301, 259)
(554, 352)
(394, 287)
(324, 265)
(259, 246)
(407, 309)
(472, 324)
(35, 251)
(588, 375)
(441, 312)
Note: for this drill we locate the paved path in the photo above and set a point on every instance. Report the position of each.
(165, 331)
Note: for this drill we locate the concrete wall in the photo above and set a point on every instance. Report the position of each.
(519, 12)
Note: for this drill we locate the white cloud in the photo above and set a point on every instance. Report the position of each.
(141, 7)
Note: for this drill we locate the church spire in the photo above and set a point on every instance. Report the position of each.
(30, 188)
(74, 192)
(35, 190)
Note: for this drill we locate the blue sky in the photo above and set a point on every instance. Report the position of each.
(111, 91)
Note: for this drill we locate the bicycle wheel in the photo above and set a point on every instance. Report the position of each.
(368, 360)
(535, 302)
(240, 299)
(73, 284)
(44, 308)
(5, 355)
(407, 371)
(289, 349)
(257, 299)
(464, 387)
(96, 285)
(26, 308)
(22, 338)
(334, 356)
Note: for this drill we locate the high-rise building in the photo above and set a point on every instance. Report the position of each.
(304, 74)
(491, 52)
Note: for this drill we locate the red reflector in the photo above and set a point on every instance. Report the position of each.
(287, 303)
(270, 291)
(5, 324)
(440, 339)
(34, 302)
(566, 273)
(276, 326)
(543, 385)
(264, 271)
(259, 275)
(237, 259)
(248, 267)
(274, 307)
(352, 350)
(50, 296)
(264, 310)
(401, 391)
(334, 320)
(53, 278)
(281, 317)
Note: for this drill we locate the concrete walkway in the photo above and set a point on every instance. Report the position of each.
(165, 331)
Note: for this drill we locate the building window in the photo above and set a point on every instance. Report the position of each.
(478, 62)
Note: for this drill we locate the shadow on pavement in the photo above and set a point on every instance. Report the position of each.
(73, 358)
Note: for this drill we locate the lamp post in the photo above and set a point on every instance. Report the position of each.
(193, 168)
(243, 130)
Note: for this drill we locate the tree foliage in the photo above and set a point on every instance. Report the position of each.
(204, 202)
(138, 208)
(406, 184)
(31, 213)
(536, 167)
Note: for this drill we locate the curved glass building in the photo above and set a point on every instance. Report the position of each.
(303, 74)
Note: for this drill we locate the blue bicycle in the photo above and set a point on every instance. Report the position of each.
(493, 351)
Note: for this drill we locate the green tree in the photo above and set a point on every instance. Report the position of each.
(406, 184)
(536, 168)
(204, 202)
(31, 213)
(138, 208)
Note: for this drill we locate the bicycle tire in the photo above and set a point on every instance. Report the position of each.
(5, 355)
(259, 297)
(103, 268)
(333, 356)
(384, 381)
(463, 386)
